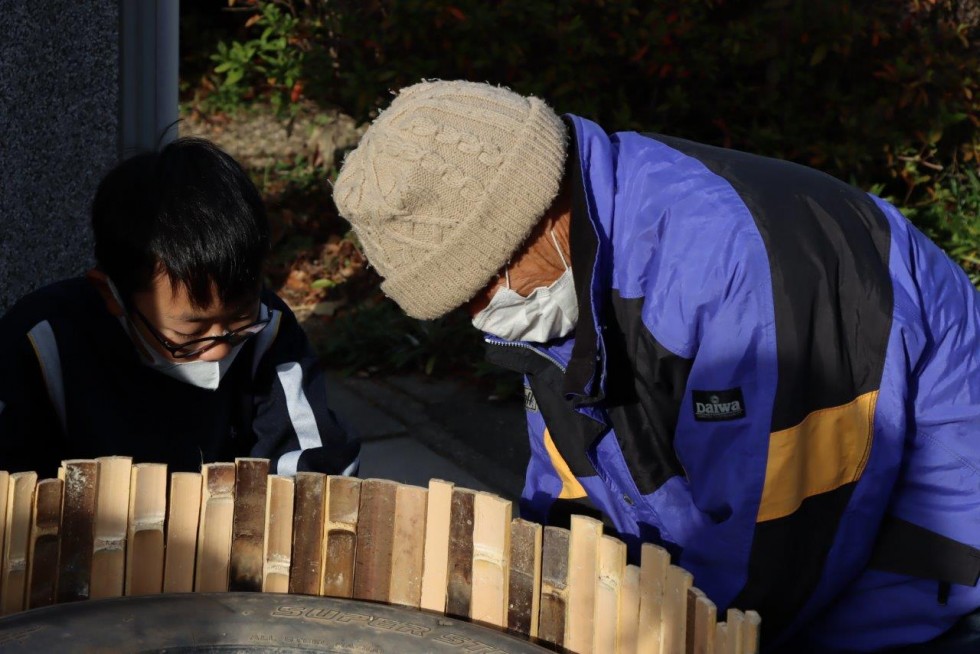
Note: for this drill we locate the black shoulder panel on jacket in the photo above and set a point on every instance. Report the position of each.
(644, 392)
(828, 247)
(779, 585)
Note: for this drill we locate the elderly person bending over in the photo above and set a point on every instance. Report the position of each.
(765, 370)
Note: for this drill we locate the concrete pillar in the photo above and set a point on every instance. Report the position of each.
(81, 84)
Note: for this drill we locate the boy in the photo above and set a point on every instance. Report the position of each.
(169, 350)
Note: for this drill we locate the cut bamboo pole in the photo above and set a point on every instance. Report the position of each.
(147, 515)
(183, 515)
(675, 609)
(554, 585)
(375, 540)
(609, 588)
(407, 557)
(77, 530)
(16, 541)
(654, 561)
(524, 585)
(444, 549)
(735, 620)
(111, 521)
(583, 567)
(435, 571)
(4, 484)
(750, 632)
(343, 499)
(215, 527)
(306, 566)
(629, 612)
(42, 578)
(491, 559)
(721, 638)
(459, 585)
(701, 620)
(248, 531)
(278, 535)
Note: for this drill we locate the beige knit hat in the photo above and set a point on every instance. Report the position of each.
(446, 185)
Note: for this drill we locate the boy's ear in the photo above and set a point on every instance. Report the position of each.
(101, 283)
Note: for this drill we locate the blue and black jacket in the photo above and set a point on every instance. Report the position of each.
(73, 386)
(775, 376)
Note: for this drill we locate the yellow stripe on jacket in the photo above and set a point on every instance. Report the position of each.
(826, 451)
(570, 487)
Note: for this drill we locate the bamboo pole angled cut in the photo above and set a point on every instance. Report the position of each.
(45, 543)
(435, 569)
(554, 585)
(491, 559)
(609, 589)
(750, 632)
(16, 541)
(81, 479)
(278, 535)
(524, 591)
(583, 571)
(306, 564)
(111, 526)
(4, 483)
(459, 585)
(215, 528)
(183, 517)
(408, 547)
(145, 539)
(343, 504)
(701, 620)
(375, 540)
(654, 561)
(677, 586)
(735, 620)
(248, 526)
(629, 614)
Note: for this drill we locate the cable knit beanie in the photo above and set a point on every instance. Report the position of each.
(446, 185)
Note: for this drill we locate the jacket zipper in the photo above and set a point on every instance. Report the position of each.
(525, 346)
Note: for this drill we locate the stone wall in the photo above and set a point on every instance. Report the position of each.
(59, 127)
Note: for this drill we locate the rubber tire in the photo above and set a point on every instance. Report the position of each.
(246, 622)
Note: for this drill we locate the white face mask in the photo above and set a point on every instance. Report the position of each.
(548, 312)
(203, 374)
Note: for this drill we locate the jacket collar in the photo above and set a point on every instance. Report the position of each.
(585, 376)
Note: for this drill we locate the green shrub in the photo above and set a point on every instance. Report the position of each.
(378, 334)
(880, 94)
(884, 95)
(270, 64)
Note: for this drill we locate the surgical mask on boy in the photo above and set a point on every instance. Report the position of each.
(547, 312)
(203, 374)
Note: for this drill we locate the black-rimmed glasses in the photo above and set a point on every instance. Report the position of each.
(201, 345)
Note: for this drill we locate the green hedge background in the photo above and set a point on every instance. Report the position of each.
(880, 94)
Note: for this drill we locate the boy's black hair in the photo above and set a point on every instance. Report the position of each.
(189, 209)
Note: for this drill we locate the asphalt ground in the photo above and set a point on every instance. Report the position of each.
(415, 428)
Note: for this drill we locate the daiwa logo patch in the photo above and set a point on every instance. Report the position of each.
(712, 406)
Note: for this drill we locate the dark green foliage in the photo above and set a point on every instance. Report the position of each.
(378, 334)
(885, 95)
(881, 94)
